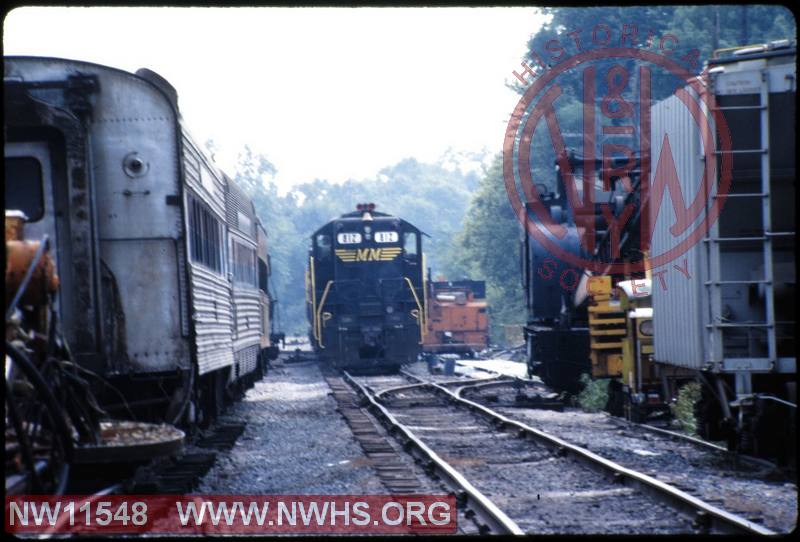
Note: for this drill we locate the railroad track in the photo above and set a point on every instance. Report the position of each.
(535, 482)
(494, 382)
(473, 504)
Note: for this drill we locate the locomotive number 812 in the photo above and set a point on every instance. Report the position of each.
(365, 291)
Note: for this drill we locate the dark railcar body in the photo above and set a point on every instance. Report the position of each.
(557, 330)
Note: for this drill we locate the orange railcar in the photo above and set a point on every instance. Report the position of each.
(456, 319)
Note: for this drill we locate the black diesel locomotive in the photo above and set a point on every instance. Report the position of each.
(365, 291)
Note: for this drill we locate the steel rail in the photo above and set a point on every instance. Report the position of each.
(753, 461)
(493, 520)
(472, 381)
(706, 515)
(622, 422)
(498, 373)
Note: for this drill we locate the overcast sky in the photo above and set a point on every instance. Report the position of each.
(332, 93)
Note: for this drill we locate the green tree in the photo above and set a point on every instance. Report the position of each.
(488, 248)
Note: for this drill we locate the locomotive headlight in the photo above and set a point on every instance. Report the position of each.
(646, 328)
(389, 309)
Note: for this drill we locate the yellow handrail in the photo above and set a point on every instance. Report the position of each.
(313, 299)
(420, 314)
(319, 312)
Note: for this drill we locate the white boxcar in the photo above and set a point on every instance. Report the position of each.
(732, 322)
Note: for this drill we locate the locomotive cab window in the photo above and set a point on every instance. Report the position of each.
(410, 245)
(24, 191)
(323, 245)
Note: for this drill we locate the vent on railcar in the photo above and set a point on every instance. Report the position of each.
(161, 83)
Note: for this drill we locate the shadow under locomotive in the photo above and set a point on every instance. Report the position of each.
(365, 287)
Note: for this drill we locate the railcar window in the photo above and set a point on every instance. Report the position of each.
(263, 274)
(24, 190)
(207, 179)
(205, 236)
(244, 264)
(410, 244)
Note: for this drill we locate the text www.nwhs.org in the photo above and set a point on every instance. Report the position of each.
(231, 514)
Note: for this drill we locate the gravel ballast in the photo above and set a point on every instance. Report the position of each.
(295, 441)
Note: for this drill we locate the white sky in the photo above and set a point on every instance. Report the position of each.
(332, 93)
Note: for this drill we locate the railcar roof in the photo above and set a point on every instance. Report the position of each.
(94, 65)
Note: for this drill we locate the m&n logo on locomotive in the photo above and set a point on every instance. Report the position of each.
(365, 290)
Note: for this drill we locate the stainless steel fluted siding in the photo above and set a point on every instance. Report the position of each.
(264, 304)
(247, 310)
(678, 317)
(246, 361)
(248, 317)
(193, 161)
(236, 201)
(211, 311)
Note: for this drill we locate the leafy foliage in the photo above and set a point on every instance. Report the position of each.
(594, 395)
(488, 247)
(683, 407)
(687, 34)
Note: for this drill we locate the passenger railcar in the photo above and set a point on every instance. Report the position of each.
(155, 247)
(366, 290)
